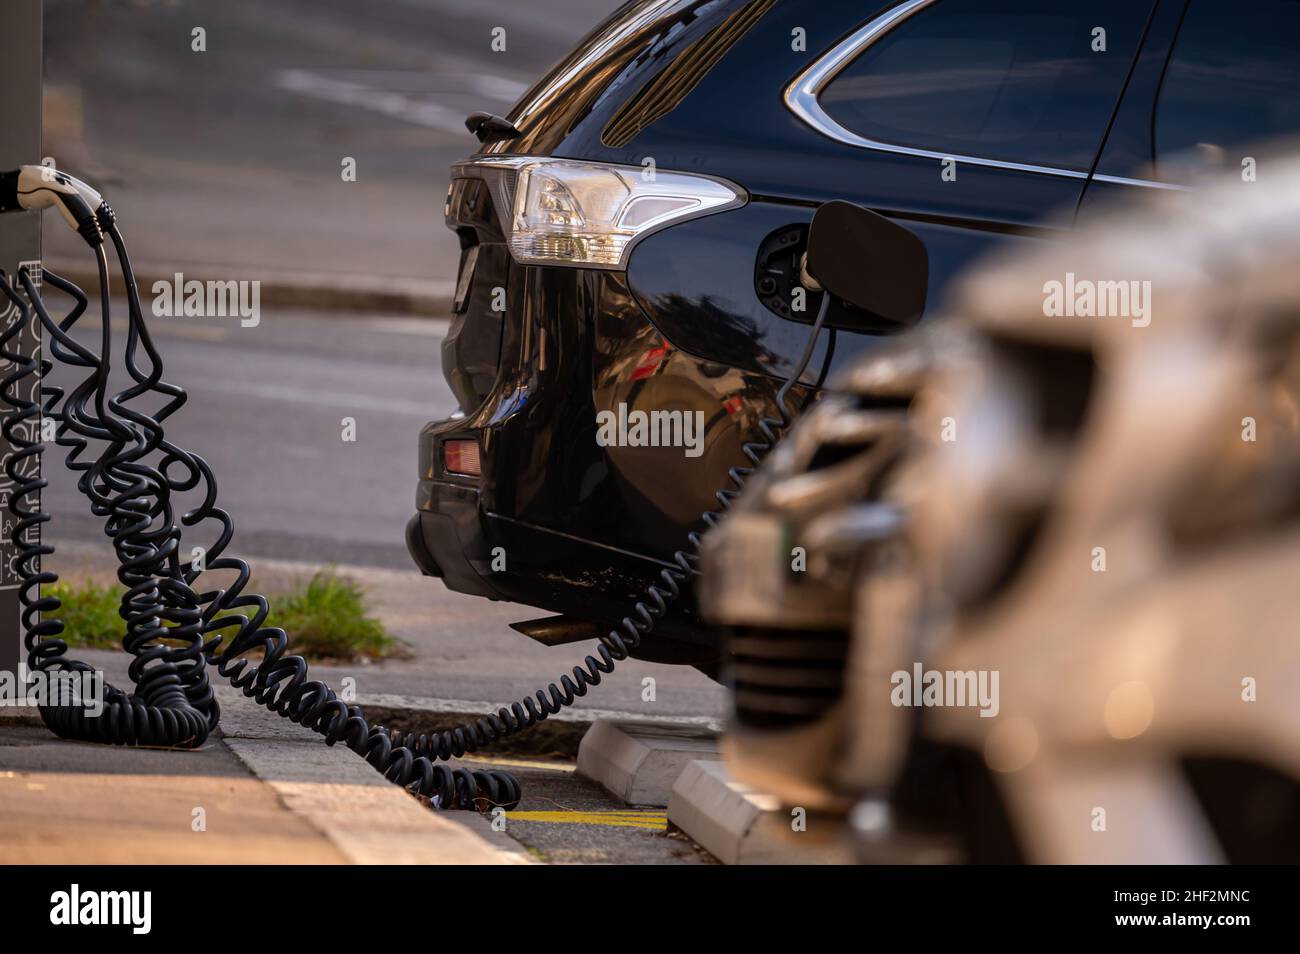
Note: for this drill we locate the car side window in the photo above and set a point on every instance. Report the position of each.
(1233, 78)
(1025, 81)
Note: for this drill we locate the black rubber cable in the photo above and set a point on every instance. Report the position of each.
(130, 484)
(173, 704)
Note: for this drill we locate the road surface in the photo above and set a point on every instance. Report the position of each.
(267, 407)
(233, 156)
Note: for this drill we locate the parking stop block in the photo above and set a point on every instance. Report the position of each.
(638, 762)
(741, 826)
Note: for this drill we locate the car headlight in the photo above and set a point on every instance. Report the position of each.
(591, 214)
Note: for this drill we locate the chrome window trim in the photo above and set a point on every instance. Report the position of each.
(801, 98)
(1144, 183)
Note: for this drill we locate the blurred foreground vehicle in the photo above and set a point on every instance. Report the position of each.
(1050, 543)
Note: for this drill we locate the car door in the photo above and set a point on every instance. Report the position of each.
(976, 123)
(1217, 89)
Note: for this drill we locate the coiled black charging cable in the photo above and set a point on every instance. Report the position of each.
(130, 473)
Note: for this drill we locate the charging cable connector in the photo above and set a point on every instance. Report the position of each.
(35, 187)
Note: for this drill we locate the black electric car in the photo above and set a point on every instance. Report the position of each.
(630, 294)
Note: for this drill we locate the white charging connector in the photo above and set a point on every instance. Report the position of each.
(35, 187)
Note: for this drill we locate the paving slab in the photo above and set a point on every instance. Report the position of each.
(268, 793)
(371, 820)
(77, 803)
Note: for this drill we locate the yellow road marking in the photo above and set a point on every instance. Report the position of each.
(647, 820)
(519, 763)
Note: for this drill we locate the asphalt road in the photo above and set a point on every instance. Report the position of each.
(266, 408)
(229, 159)
(233, 156)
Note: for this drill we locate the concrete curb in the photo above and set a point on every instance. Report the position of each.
(20, 715)
(367, 818)
(558, 735)
(352, 293)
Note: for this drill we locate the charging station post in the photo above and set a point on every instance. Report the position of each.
(20, 244)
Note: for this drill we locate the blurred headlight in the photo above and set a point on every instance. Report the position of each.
(591, 214)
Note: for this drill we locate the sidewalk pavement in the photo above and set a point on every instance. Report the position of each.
(461, 655)
(264, 792)
(273, 792)
(352, 293)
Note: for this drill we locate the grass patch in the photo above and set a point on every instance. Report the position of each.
(89, 614)
(325, 617)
